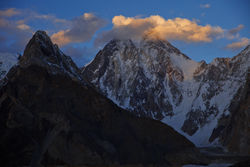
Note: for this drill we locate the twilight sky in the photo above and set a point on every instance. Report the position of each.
(202, 29)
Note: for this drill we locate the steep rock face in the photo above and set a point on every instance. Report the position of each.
(233, 130)
(137, 77)
(154, 79)
(50, 116)
(218, 85)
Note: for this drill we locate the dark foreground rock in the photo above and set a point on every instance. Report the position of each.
(50, 116)
(242, 164)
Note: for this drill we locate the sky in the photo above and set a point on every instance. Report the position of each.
(201, 29)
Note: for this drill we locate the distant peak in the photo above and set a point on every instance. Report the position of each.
(245, 51)
(40, 48)
(118, 44)
(42, 38)
(157, 42)
(146, 42)
(149, 38)
(203, 62)
(247, 48)
(161, 44)
(40, 51)
(40, 41)
(41, 33)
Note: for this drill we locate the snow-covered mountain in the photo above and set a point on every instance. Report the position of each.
(153, 78)
(7, 60)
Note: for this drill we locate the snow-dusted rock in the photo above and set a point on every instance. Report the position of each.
(153, 78)
(7, 61)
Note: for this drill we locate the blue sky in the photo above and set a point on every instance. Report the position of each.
(228, 22)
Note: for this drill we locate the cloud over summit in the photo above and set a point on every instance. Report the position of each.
(157, 27)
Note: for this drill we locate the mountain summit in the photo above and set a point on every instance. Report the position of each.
(132, 73)
(152, 78)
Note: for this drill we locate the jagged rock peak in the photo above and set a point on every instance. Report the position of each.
(117, 44)
(44, 40)
(40, 45)
(245, 53)
(247, 47)
(143, 45)
(42, 36)
(42, 52)
(160, 43)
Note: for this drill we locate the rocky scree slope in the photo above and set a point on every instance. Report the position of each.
(50, 116)
(152, 78)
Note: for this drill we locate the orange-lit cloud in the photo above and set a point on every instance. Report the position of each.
(82, 29)
(23, 26)
(8, 12)
(237, 45)
(157, 27)
(60, 38)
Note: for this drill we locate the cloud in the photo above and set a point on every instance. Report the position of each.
(156, 27)
(82, 29)
(237, 29)
(16, 29)
(14, 32)
(9, 12)
(13, 35)
(23, 27)
(234, 32)
(205, 6)
(49, 17)
(237, 45)
(18, 25)
(27, 16)
(60, 38)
